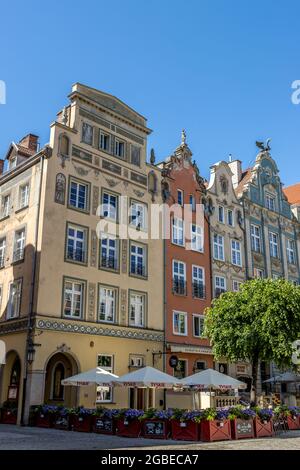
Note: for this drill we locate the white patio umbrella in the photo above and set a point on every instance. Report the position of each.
(287, 377)
(212, 379)
(96, 376)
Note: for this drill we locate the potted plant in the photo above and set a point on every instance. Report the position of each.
(263, 422)
(242, 426)
(45, 415)
(215, 425)
(61, 418)
(80, 419)
(290, 415)
(156, 424)
(104, 420)
(9, 412)
(128, 423)
(185, 425)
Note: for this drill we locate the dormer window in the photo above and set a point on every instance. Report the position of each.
(12, 163)
(270, 202)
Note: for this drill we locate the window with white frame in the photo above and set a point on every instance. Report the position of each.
(220, 285)
(2, 251)
(107, 304)
(218, 247)
(12, 163)
(135, 155)
(198, 280)
(221, 214)
(180, 197)
(196, 238)
(273, 241)
(180, 323)
(270, 202)
(109, 251)
(259, 273)
(19, 245)
(78, 195)
(255, 238)
(290, 250)
(5, 206)
(230, 218)
(138, 259)
(24, 196)
(105, 394)
(138, 215)
(179, 277)
(14, 299)
(73, 298)
(178, 231)
(236, 285)
(119, 148)
(104, 141)
(236, 254)
(76, 243)
(137, 309)
(109, 205)
(87, 133)
(198, 325)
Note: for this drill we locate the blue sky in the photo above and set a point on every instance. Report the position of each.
(221, 69)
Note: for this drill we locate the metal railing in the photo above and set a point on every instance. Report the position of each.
(76, 255)
(179, 286)
(198, 290)
(109, 262)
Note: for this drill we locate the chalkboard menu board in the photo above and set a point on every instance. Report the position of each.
(244, 427)
(155, 428)
(104, 425)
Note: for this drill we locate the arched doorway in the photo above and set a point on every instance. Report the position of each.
(11, 377)
(59, 367)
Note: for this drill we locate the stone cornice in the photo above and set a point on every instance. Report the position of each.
(13, 326)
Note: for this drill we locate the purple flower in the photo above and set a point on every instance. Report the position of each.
(133, 414)
(163, 414)
(222, 414)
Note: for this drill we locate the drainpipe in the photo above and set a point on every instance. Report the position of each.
(32, 295)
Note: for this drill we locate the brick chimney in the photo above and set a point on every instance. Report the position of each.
(1, 167)
(30, 141)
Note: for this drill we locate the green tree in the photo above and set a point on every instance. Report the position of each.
(258, 323)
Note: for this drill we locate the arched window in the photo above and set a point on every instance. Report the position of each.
(64, 144)
(57, 387)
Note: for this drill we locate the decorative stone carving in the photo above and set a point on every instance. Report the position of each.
(224, 184)
(63, 148)
(81, 171)
(111, 182)
(91, 301)
(123, 306)
(97, 161)
(95, 200)
(94, 246)
(125, 173)
(60, 189)
(152, 157)
(124, 255)
(138, 193)
(63, 348)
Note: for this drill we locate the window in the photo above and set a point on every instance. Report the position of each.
(5, 209)
(2, 251)
(220, 285)
(180, 323)
(135, 155)
(136, 361)
(198, 325)
(180, 197)
(109, 254)
(138, 260)
(78, 195)
(230, 219)
(19, 245)
(255, 238)
(198, 282)
(119, 148)
(179, 277)
(181, 369)
(273, 240)
(109, 208)
(276, 276)
(236, 256)
(218, 247)
(14, 299)
(178, 231)
(192, 202)
(259, 273)
(236, 285)
(107, 304)
(12, 163)
(270, 202)
(104, 141)
(24, 196)
(138, 215)
(290, 249)
(73, 298)
(221, 214)
(76, 243)
(196, 238)
(137, 309)
(105, 394)
(87, 133)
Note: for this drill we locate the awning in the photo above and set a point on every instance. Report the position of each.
(147, 377)
(91, 377)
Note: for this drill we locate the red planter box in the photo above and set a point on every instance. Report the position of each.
(185, 431)
(44, 421)
(156, 429)
(8, 417)
(103, 425)
(80, 423)
(242, 428)
(263, 428)
(215, 430)
(293, 423)
(129, 428)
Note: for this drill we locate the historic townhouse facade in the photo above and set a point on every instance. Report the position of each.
(77, 291)
(187, 264)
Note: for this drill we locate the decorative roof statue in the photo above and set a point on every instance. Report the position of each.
(152, 157)
(183, 137)
(264, 147)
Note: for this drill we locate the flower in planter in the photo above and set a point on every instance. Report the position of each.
(45, 410)
(264, 414)
(238, 412)
(132, 414)
(163, 414)
(294, 411)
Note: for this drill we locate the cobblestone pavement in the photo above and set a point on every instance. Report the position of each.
(26, 438)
